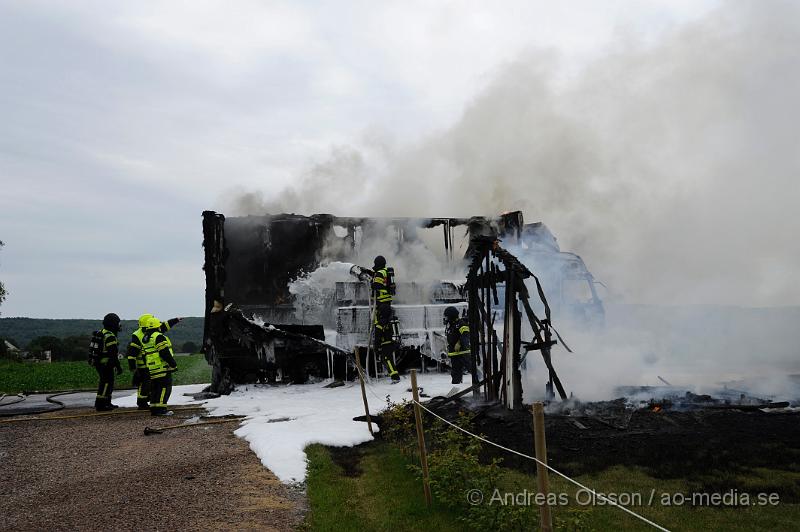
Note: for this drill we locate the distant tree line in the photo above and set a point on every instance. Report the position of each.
(26, 330)
(70, 348)
(69, 339)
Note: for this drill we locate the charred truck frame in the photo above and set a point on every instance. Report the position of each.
(254, 331)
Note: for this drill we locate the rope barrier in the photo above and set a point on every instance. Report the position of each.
(559, 473)
(368, 384)
(523, 455)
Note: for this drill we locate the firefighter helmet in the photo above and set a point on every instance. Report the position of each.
(451, 314)
(111, 322)
(380, 262)
(143, 319)
(153, 323)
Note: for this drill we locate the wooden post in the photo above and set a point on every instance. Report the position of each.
(357, 352)
(542, 481)
(510, 335)
(423, 456)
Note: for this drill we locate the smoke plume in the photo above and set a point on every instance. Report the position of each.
(670, 167)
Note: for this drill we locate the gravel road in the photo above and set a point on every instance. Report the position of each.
(103, 473)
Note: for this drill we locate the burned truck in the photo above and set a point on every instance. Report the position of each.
(265, 321)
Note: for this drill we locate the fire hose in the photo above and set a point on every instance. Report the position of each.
(22, 396)
(32, 416)
(49, 399)
(19, 397)
(158, 430)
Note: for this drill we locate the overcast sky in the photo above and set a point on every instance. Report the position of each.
(123, 121)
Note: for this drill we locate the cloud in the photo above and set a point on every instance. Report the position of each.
(121, 114)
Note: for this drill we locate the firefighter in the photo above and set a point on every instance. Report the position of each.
(458, 351)
(382, 290)
(107, 362)
(136, 362)
(157, 354)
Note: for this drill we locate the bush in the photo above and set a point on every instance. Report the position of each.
(455, 470)
(189, 347)
(398, 426)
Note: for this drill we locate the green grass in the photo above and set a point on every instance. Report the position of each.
(16, 377)
(387, 496)
(624, 480)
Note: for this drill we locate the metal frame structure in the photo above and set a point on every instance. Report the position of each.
(491, 265)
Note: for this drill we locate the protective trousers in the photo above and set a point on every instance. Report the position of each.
(160, 389)
(141, 379)
(384, 343)
(105, 388)
(458, 364)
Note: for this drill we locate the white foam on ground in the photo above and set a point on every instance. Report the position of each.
(283, 419)
(316, 415)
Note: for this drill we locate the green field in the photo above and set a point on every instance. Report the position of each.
(16, 377)
(380, 493)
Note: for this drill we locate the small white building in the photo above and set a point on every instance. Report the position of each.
(11, 348)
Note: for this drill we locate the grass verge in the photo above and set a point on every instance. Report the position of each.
(381, 493)
(16, 377)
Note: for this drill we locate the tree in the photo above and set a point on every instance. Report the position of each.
(61, 349)
(189, 347)
(2, 287)
(40, 344)
(74, 348)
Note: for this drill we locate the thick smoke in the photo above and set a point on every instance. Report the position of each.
(670, 167)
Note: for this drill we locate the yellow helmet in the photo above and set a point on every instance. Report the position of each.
(153, 323)
(143, 319)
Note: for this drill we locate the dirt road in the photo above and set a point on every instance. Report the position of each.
(103, 473)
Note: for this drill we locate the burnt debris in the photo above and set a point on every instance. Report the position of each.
(251, 261)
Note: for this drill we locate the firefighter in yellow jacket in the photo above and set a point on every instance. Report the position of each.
(136, 362)
(157, 353)
(383, 290)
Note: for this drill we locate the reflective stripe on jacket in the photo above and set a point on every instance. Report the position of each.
(379, 286)
(109, 340)
(460, 346)
(136, 351)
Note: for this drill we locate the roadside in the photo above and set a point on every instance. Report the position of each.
(103, 473)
